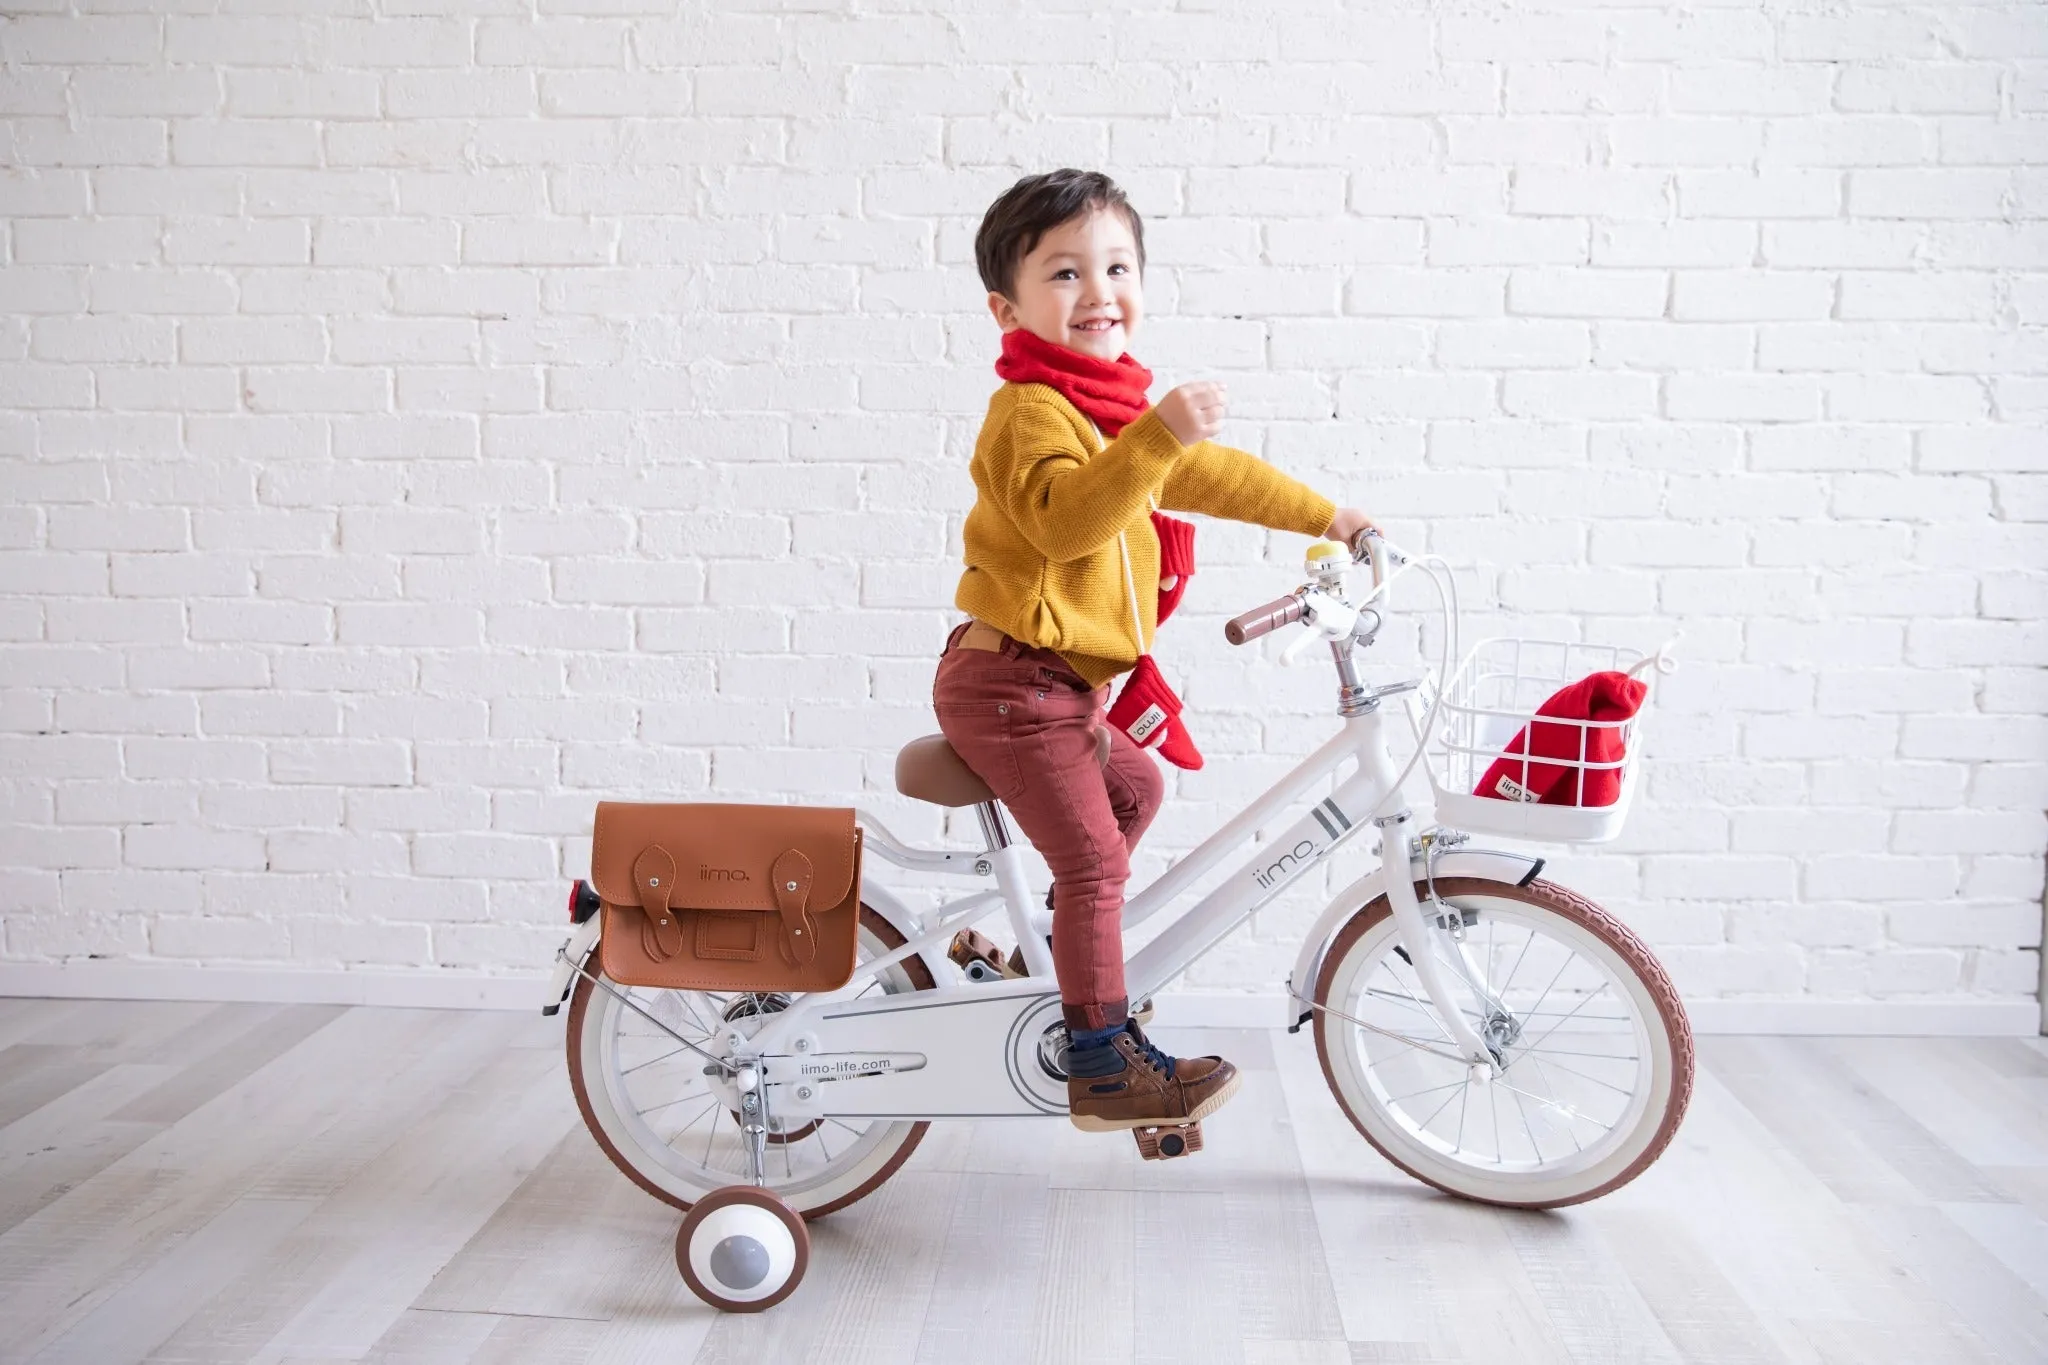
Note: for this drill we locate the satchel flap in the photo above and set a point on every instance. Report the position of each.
(723, 853)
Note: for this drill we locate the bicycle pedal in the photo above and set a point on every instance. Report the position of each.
(977, 954)
(1164, 1142)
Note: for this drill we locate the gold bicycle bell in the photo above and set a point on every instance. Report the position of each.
(1326, 562)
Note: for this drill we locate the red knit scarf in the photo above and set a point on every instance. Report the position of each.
(1111, 393)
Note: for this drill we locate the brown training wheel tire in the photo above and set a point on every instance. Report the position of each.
(1671, 1093)
(581, 1004)
(741, 1249)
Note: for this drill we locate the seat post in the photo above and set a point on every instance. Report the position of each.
(995, 830)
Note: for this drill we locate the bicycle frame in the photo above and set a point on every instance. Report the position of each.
(879, 1056)
(846, 1053)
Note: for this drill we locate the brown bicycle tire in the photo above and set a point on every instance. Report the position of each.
(884, 932)
(1566, 904)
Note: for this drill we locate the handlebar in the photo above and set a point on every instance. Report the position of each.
(1285, 611)
(1281, 611)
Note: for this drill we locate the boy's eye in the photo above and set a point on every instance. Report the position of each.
(1063, 274)
(1119, 269)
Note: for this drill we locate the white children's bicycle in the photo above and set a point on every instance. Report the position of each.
(1491, 1033)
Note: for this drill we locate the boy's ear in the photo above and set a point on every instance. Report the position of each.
(1004, 312)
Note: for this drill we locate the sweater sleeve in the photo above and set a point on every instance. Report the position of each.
(1224, 482)
(1067, 503)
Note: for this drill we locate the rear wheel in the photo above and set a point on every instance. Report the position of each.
(646, 1100)
(1595, 1054)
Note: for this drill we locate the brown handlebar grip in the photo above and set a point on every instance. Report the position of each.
(1283, 611)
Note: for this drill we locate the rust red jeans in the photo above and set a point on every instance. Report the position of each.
(1025, 723)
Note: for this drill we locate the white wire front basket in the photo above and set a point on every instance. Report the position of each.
(1567, 780)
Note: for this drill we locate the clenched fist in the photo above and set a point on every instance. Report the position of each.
(1193, 412)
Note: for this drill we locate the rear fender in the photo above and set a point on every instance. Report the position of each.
(569, 959)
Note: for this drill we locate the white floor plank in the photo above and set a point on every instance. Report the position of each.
(125, 1326)
(1086, 1295)
(985, 1287)
(1365, 1215)
(412, 1187)
(450, 1173)
(1983, 1300)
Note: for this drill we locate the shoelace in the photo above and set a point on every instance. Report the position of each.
(1153, 1054)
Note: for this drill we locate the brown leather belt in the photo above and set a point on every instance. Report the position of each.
(982, 635)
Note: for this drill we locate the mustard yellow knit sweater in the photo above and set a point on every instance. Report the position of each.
(1041, 540)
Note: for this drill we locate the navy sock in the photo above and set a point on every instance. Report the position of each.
(1081, 1039)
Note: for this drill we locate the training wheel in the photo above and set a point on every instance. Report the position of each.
(741, 1249)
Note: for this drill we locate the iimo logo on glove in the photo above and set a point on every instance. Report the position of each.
(1513, 790)
(1150, 719)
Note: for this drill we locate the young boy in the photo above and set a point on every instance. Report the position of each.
(1059, 538)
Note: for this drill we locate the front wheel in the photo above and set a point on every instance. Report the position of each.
(1595, 1057)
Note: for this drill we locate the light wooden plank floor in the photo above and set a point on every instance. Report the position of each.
(257, 1183)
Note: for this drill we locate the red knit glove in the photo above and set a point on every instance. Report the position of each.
(1600, 696)
(1176, 560)
(1149, 712)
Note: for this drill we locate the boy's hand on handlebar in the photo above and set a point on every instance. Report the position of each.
(1193, 412)
(1346, 525)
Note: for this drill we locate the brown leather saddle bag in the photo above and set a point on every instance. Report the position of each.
(713, 897)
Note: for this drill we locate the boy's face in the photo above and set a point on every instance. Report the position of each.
(1079, 287)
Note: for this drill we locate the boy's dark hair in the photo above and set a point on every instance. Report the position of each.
(1034, 206)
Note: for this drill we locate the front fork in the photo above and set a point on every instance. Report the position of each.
(1417, 938)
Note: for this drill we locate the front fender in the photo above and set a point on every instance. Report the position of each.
(1489, 864)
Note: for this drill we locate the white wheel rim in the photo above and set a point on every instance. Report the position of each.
(651, 1099)
(1585, 1083)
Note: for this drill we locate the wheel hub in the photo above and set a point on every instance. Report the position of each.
(1500, 1032)
(746, 1014)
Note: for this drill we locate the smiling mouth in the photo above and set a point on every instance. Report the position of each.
(1095, 325)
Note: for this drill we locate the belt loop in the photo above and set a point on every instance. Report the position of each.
(1012, 646)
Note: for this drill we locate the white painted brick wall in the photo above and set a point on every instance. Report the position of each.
(416, 427)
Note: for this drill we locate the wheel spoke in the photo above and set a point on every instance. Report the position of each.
(1430, 1014)
(1536, 1146)
(665, 1104)
(1537, 1008)
(627, 1071)
(1528, 942)
(1419, 1044)
(1597, 1056)
(1562, 1022)
(1552, 1059)
(1570, 1111)
(694, 1121)
(1427, 1090)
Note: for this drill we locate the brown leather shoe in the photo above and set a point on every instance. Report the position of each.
(1132, 1084)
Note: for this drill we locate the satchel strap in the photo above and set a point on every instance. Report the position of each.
(654, 876)
(793, 875)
